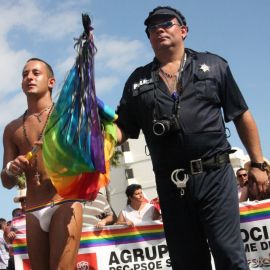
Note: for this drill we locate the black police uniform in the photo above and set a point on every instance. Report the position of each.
(194, 141)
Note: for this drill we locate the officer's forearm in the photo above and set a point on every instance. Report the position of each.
(249, 135)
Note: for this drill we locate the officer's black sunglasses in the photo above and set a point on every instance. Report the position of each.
(165, 25)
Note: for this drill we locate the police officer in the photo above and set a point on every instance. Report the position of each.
(176, 100)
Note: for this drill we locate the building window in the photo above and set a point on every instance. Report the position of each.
(125, 147)
(129, 173)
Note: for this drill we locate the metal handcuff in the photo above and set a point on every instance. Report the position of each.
(180, 183)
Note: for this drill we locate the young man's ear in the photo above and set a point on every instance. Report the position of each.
(51, 82)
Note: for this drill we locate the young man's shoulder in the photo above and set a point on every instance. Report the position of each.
(13, 125)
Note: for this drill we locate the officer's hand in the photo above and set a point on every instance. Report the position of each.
(260, 177)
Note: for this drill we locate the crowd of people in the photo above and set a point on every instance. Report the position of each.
(181, 101)
(97, 213)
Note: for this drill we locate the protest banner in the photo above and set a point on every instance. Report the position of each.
(113, 248)
(255, 232)
(144, 247)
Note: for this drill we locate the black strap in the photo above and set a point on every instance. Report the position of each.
(216, 161)
(200, 165)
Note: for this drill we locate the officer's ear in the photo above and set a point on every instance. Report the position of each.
(184, 31)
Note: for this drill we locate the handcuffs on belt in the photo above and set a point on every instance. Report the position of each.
(179, 178)
(197, 166)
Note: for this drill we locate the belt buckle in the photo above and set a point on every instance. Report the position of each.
(196, 166)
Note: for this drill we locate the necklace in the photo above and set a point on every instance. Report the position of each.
(37, 175)
(38, 115)
(173, 81)
(168, 75)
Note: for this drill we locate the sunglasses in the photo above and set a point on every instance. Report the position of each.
(242, 175)
(164, 25)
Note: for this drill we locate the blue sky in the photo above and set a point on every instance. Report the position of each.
(236, 30)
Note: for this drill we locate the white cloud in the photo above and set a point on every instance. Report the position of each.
(12, 108)
(119, 54)
(33, 25)
(39, 23)
(28, 17)
(104, 84)
(63, 67)
(115, 59)
(11, 65)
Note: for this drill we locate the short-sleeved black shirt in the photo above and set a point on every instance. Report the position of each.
(207, 86)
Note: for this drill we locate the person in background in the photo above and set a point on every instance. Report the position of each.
(17, 226)
(98, 213)
(155, 202)
(181, 101)
(242, 181)
(4, 254)
(137, 211)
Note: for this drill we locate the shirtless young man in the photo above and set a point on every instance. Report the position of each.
(53, 225)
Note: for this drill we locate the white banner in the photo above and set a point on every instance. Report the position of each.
(255, 232)
(145, 248)
(114, 248)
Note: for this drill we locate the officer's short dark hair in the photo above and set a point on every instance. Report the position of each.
(164, 11)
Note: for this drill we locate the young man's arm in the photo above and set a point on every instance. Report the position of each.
(9, 179)
(249, 135)
(13, 163)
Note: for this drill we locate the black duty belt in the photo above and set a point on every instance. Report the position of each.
(180, 176)
(200, 165)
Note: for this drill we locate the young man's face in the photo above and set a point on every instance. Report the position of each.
(35, 78)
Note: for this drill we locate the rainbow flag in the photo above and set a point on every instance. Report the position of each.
(254, 211)
(80, 135)
(20, 245)
(121, 236)
(113, 235)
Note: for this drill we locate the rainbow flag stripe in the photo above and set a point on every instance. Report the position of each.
(108, 237)
(121, 236)
(20, 246)
(255, 212)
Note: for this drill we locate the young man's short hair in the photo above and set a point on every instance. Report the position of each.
(49, 68)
